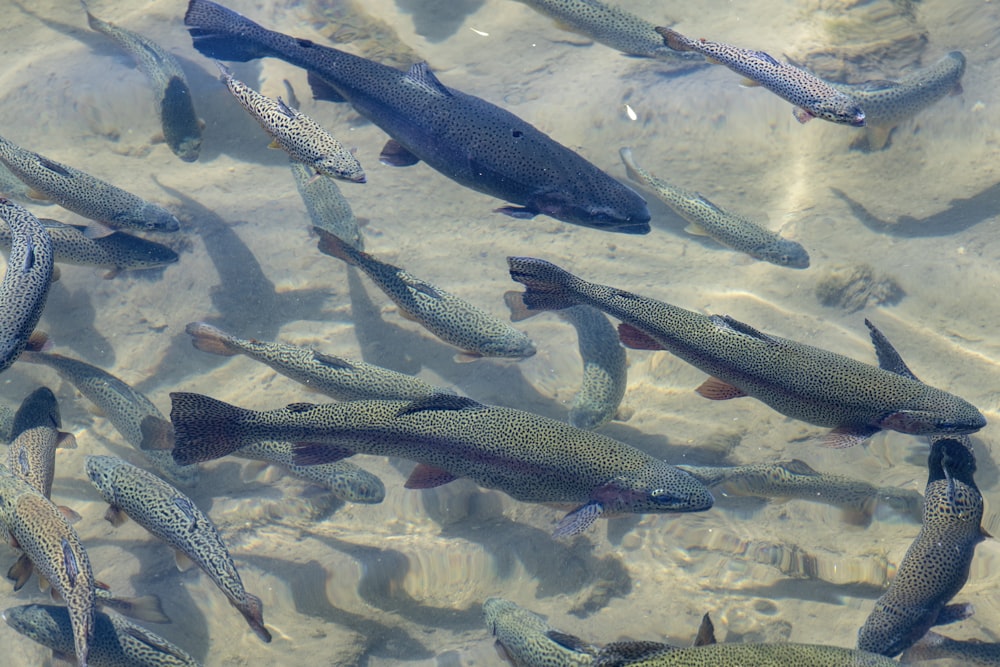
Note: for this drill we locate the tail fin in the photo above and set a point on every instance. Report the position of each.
(144, 608)
(333, 245)
(548, 285)
(253, 611)
(674, 39)
(204, 428)
(223, 34)
(210, 339)
(515, 302)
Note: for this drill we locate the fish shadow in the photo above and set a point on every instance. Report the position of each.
(811, 590)
(437, 20)
(70, 320)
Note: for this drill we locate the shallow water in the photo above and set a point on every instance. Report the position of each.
(403, 581)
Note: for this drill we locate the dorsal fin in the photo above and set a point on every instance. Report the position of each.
(888, 358)
(439, 402)
(572, 642)
(741, 327)
(422, 75)
(332, 362)
(799, 467)
(706, 632)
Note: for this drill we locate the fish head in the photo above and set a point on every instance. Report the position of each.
(784, 253)
(101, 470)
(956, 418)
(188, 149)
(46, 624)
(621, 210)
(842, 109)
(662, 488)
(156, 219)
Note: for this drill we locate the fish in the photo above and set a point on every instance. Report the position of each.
(37, 527)
(327, 207)
(117, 642)
(131, 413)
(344, 480)
(12, 188)
(116, 251)
(524, 639)
(936, 566)
(811, 96)
(613, 26)
(474, 143)
(730, 654)
(730, 229)
(84, 194)
(808, 383)
(455, 321)
(26, 281)
(797, 479)
(181, 125)
(296, 133)
(889, 103)
(171, 516)
(338, 378)
(529, 457)
(965, 653)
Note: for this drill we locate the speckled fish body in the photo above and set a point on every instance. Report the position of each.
(744, 655)
(453, 320)
(327, 207)
(526, 640)
(116, 252)
(25, 285)
(181, 127)
(132, 414)
(341, 379)
(296, 133)
(730, 229)
(528, 457)
(605, 368)
(812, 97)
(966, 653)
(469, 140)
(116, 642)
(44, 534)
(14, 188)
(171, 516)
(32, 454)
(798, 380)
(936, 566)
(84, 194)
(613, 26)
(888, 103)
(345, 480)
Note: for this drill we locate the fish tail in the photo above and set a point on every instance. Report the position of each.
(223, 34)
(333, 245)
(631, 168)
(675, 40)
(210, 339)
(549, 287)
(143, 608)
(204, 428)
(253, 611)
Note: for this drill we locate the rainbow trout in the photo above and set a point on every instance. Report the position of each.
(132, 414)
(295, 133)
(936, 566)
(453, 320)
(116, 642)
(469, 140)
(181, 126)
(800, 381)
(528, 457)
(116, 252)
(961, 653)
(37, 527)
(341, 379)
(328, 209)
(25, 285)
(171, 516)
(812, 97)
(524, 639)
(730, 229)
(740, 655)
(84, 194)
(344, 480)
(888, 103)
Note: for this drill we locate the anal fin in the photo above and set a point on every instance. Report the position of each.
(428, 477)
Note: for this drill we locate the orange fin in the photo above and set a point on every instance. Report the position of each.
(428, 477)
(635, 339)
(843, 437)
(715, 389)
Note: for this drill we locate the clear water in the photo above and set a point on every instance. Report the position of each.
(403, 581)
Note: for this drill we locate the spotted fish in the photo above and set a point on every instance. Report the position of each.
(968, 653)
(528, 457)
(296, 133)
(171, 516)
(327, 207)
(345, 481)
(38, 528)
(174, 106)
(341, 379)
(812, 97)
(129, 411)
(936, 566)
(615, 27)
(469, 140)
(26, 281)
(453, 320)
(730, 229)
(798, 380)
(888, 103)
(84, 194)
(740, 655)
(524, 639)
(116, 252)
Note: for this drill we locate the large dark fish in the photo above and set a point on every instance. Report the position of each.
(797, 380)
(469, 140)
(528, 457)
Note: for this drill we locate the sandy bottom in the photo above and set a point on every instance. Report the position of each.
(402, 582)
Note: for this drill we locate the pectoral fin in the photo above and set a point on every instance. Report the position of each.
(428, 477)
(519, 212)
(635, 339)
(578, 520)
(715, 389)
(20, 571)
(953, 613)
(182, 561)
(115, 516)
(394, 154)
(802, 115)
